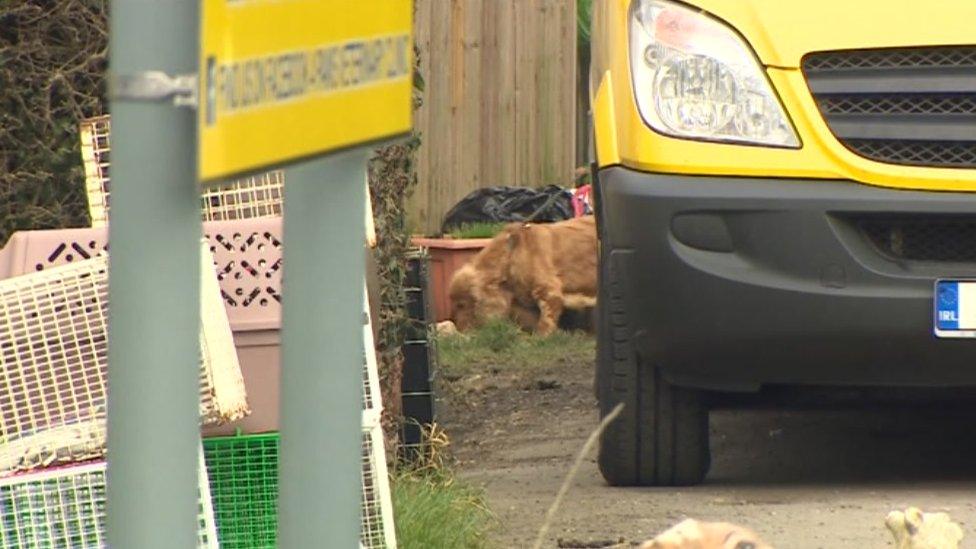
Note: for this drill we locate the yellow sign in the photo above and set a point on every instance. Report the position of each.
(282, 80)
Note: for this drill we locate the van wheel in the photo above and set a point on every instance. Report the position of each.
(661, 436)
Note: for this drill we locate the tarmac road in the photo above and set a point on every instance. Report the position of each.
(802, 479)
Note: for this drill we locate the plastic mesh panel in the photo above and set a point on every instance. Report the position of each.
(95, 156)
(371, 378)
(65, 509)
(53, 366)
(257, 196)
(251, 197)
(376, 518)
(243, 474)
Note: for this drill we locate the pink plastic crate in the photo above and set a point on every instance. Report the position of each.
(247, 257)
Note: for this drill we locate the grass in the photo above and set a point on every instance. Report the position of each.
(500, 344)
(432, 508)
(476, 230)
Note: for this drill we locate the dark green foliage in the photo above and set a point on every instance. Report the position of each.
(53, 57)
(584, 13)
(392, 177)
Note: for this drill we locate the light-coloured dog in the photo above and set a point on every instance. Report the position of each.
(693, 534)
(912, 529)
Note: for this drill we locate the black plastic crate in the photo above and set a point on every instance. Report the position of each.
(418, 412)
(419, 314)
(419, 355)
(417, 371)
(417, 263)
(419, 407)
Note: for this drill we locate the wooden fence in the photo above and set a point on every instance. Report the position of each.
(500, 99)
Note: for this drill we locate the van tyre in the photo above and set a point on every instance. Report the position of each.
(661, 436)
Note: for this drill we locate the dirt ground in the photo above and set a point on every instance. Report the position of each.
(802, 479)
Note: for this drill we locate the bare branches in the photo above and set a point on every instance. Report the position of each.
(53, 57)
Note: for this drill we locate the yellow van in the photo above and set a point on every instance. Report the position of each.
(786, 198)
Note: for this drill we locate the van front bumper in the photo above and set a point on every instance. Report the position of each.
(732, 283)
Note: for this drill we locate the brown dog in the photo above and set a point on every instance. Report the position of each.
(529, 273)
(692, 534)
(477, 289)
(553, 267)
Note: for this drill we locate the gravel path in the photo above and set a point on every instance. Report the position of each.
(802, 479)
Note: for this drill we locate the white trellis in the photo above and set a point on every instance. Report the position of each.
(247, 198)
(65, 508)
(54, 364)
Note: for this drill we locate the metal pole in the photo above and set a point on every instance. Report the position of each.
(154, 270)
(322, 352)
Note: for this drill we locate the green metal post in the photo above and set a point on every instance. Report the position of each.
(154, 284)
(322, 352)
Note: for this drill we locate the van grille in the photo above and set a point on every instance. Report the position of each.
(950, 238)
(912, 106)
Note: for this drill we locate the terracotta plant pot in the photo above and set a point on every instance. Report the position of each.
(447, 255)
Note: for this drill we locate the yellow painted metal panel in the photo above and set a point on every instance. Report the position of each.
(782, 31)
(286, 79)
(821, 155)
(604, 126)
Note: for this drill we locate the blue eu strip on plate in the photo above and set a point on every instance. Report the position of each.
(955, 308)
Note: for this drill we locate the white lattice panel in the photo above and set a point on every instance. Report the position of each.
(376, 517)
(372, 405)
(53, 364)
(64, 508)
(95, 157)
(377, 505)
(251, 197)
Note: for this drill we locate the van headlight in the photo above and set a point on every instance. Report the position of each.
(695, 78)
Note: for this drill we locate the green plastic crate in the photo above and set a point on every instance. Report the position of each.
(243, 474)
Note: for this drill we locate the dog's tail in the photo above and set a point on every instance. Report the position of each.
(578, 301)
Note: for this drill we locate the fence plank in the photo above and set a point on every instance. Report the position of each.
(499, 107)
(470, 146)
(418, 203)
(439, 135)
(566, 73)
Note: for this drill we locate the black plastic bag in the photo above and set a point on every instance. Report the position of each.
(505, 204)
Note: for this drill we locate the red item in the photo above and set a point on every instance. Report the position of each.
(581, 201)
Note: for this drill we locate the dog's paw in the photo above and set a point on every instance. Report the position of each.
(913, 529)
(692, 534)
